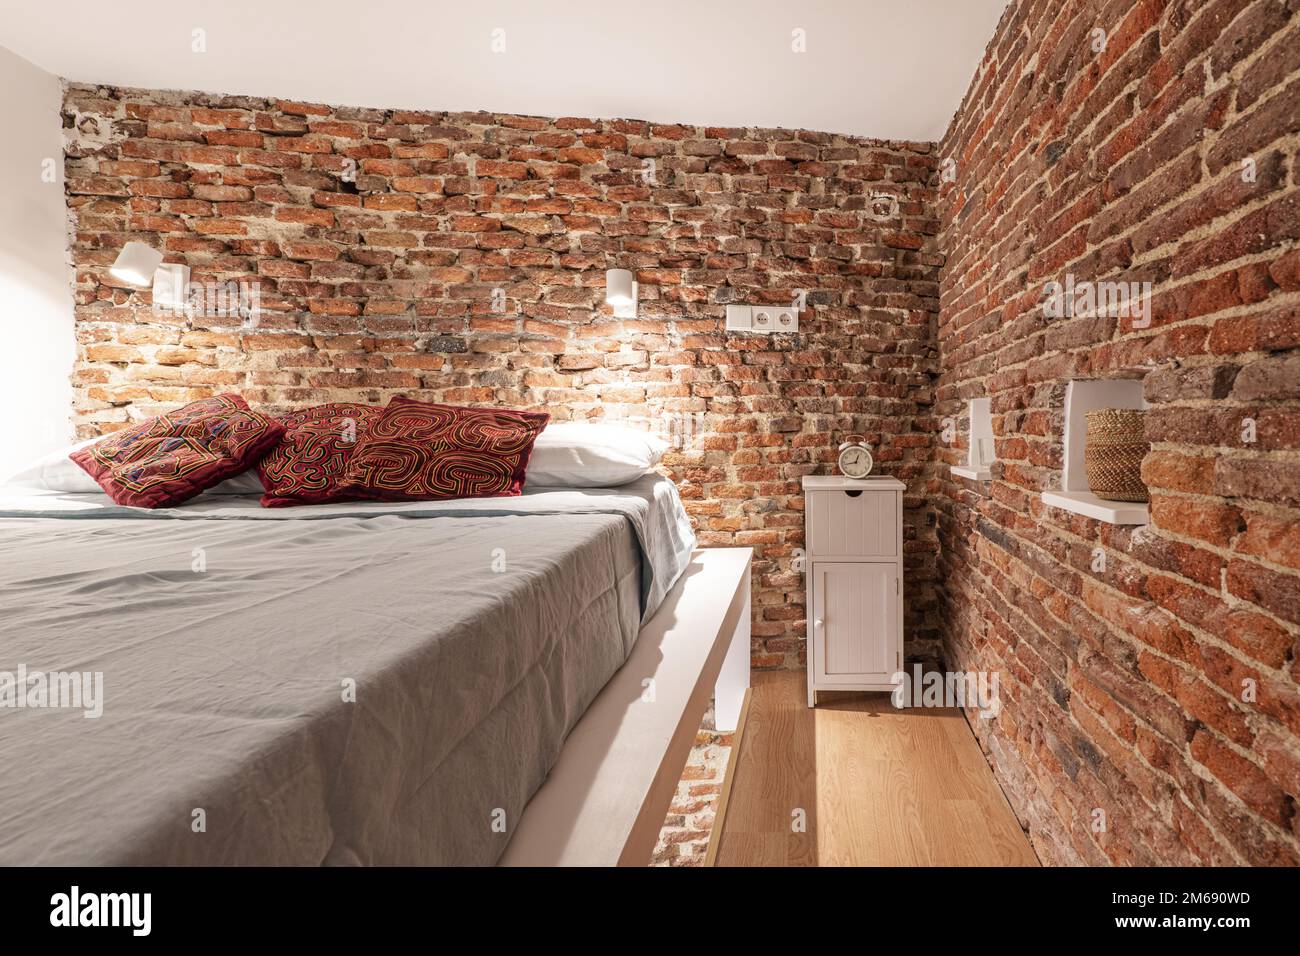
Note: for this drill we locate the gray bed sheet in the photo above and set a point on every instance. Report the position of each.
(230, 638)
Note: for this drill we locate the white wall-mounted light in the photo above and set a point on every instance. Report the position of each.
(169, 286)
(136, 264)
(620, 292)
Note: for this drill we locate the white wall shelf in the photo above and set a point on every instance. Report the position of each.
(1075, 494)
(1089, 505)
(979, 442)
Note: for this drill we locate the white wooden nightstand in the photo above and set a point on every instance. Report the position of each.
(854, 544)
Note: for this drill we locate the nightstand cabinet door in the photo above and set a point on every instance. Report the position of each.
(854, 609)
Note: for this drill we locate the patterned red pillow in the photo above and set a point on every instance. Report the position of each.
(305, 468)
(419, 451)
(169, 459)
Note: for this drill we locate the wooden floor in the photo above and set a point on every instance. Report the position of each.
(876, 786)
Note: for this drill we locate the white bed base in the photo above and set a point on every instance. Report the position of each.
(606, 797)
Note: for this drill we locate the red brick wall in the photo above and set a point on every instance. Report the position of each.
(688, 826)
(1126, 690)
(384, 286)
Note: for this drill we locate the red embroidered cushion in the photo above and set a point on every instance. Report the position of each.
(305, 468)
(419, 450)
(169, 459)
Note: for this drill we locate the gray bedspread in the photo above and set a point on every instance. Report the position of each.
(375, 684)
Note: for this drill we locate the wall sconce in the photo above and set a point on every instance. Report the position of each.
(170, 283)
(620, 292)
(136, 264)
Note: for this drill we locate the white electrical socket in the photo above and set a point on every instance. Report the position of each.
(785, 320)
(763, 318)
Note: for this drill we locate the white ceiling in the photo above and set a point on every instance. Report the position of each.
(895, 69)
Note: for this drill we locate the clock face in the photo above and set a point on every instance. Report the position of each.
(855, 461)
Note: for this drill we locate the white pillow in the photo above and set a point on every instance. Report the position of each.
(57, 472)
(587, 455)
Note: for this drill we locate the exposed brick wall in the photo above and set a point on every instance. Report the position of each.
(688, 825)
(1123, 690)
(384, 286)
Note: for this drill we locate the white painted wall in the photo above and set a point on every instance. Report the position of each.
(37, 342)
(896, 69)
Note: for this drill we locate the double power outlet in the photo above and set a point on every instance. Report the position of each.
(762, 318)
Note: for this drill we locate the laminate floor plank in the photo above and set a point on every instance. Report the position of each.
(857, 783)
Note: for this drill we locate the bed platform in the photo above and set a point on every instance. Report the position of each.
(606, 797)
(359, 683)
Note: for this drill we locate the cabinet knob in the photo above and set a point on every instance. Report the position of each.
(818, 623)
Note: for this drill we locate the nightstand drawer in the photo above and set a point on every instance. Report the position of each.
(842, 523)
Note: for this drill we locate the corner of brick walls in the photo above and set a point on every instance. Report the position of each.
(1128, 733)
(378, 238)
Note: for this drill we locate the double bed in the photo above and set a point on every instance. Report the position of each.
(350, 683)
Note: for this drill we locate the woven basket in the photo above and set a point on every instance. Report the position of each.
(1113, 453)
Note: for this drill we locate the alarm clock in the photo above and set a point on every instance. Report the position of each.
(855, 457)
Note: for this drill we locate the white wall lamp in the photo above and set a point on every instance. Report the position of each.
(620, 292)
(171, 284)
(136, 264)
(140, 264)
